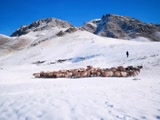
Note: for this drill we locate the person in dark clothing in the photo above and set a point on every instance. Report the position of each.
(127, 53)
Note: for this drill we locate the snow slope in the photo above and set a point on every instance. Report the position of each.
(24, 97)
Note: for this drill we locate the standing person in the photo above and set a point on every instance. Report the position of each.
(127, 53)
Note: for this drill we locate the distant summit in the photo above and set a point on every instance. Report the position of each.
(40, 25)
(109, 25)
(116, 26)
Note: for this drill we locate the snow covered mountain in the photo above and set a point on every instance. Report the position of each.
(24, 97)
(113, 26)
(122, 27)
(40, 25)
(33, 34)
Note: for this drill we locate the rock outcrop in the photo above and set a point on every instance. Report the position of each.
(115, 26)
(69, 30)
(40, 25)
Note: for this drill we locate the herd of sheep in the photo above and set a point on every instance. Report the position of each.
(91, 71)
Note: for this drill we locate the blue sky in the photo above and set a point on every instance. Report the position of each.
(15, 13)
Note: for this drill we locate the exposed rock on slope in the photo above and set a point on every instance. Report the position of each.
(4, 39)
(34, 34)
(40, 25)
(122, 27)
(43, 30)
(9, 44)
(69, 30)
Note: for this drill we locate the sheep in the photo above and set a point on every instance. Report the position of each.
(120, 68)
(113, 69)
(117, 74)
(42, 74)
(36, 75)
(131, 73)
(89, 67)
(90, 71)
(84, 74)
(124, 74)
(108, 73)
(69, 74)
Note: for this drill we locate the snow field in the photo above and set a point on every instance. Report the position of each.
(24, 97)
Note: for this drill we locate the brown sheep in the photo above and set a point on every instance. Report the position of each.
(131, 73)
(117, 74)
(120, 68)
(59, 75)
(124, 74)
(36, 75)
(113, 69)
(42, 74)
(108, 73)
(84, 74)
(89, 67)
(90, 71)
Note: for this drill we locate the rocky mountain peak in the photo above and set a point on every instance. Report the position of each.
(123, 27)
(40, 25)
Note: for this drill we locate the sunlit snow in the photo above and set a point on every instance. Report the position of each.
(23, 97)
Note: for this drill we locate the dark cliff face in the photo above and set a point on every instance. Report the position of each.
(41, 25)
(122, 27)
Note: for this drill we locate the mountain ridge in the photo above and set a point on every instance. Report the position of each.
(110, 25)
(41, 25)
(116, 26)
